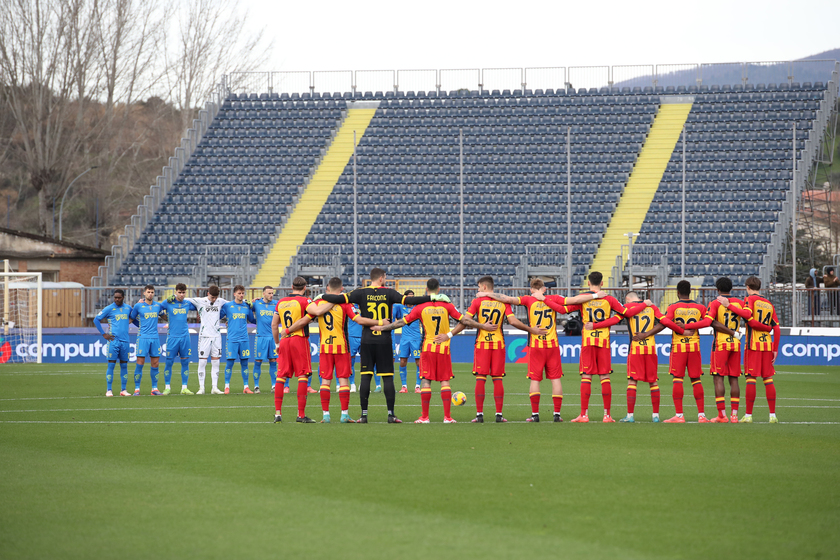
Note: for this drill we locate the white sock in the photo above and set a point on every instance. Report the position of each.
(655, 415)
(167, 386)
(772, 415)
(214, 372)
(183, 387)
(347, 412)
(227, 385)
(703, 414)
(629, 415)
(202, 372)
(679, 415)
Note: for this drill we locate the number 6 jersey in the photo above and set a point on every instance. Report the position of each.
(290, 309)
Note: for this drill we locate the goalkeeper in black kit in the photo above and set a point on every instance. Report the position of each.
(376, 353)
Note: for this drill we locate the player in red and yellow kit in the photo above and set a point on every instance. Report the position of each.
(435, 359)
(762, 347)
(335, 347)
(293, 357)
(544, 350)
(726, 313)
(642, 362)
(489, 356)
(595, 352)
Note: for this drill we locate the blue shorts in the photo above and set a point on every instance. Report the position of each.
(118, 350)
(266, 349)
(355, 344)
(148, 347)
(178, 346)
(410, 347)
(238, 350)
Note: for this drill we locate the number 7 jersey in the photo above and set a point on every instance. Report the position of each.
(434, 320)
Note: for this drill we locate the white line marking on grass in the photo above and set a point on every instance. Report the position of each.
(291, 422)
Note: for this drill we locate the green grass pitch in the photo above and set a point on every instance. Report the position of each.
(211, 477)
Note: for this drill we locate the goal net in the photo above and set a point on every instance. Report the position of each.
(20, 317)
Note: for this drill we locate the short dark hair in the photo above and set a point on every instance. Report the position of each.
(299, 283)
(335, 283)
(753, 283)
(596, 278)
(377, 273)
(238, 288)
(179, 287)
(433, 285)
(119, 291)
(536, 283)
(405, 293)
(148, 287)
(684, 288)
(724, 285)
(213, 291)
(486, 280)
(268, 288)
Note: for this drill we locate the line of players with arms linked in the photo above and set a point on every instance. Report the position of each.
(282, 339)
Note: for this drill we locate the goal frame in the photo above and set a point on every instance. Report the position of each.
(39, 322)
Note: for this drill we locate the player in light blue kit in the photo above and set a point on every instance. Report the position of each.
(354, 337)
(178, 339)
(410, 342)
(148, 340)
(238, 314)
(263, 310)
(117, 316)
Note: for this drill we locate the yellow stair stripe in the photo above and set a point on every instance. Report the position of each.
(641, 187)
(314, 197)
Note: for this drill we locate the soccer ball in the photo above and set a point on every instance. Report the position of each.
(459, 398)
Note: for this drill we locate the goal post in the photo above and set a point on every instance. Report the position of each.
(21, 313)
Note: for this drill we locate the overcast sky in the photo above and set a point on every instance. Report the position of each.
(395, 34)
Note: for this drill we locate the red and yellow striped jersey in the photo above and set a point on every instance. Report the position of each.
(332, 326)
(763, 312)
(434, 320)
(683, 312)
(595, 311)
(488, 310)
(729, 319)
(643, 321)
(291, 309)
(542, 316)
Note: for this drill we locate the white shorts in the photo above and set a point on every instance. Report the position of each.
(209, 347)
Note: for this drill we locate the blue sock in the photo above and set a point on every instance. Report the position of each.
(185, 371)
(124, 375)
(109, 375)
(228, 371)
(418, 375)
(404, 374)
(352, 378)
(257, 373)
(167, 370)
(272, 371)
(244, 365)
(138, 376)
(154, 373)
(309, 381)
(376, 380)
(287, 382)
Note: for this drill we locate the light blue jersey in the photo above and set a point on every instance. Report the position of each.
(177, 314)
(147, 315)
(118, 319)
(412, 330)
(264, 315)
(238, 315)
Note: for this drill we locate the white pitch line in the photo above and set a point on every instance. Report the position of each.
(291, 422)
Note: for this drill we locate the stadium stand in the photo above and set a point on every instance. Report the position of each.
(252, 165)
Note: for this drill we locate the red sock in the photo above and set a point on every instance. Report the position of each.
(535, 403)
(606, 394)
(770, 390)
(585, 392)
(631, 399)
(678, 394)
(480, 381)
(750, 394)
(278, 393)
(425, 400)
(721, 405)
(499, 393)
(654, 398)
(344, 397)
(301, 397)
(558, 403)
(446, 397)
(325, 398)
(734, 402)
(697, 386)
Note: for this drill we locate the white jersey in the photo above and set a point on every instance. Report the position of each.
(209, 315)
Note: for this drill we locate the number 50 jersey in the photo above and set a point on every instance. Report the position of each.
(488, 310)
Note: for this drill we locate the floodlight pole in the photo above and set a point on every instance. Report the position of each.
(682, 228)
(461, 249)
(630, 236)
(795, 207)
(61, 210)
(569, 210)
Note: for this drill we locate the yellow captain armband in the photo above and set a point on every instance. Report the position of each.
(379, 322)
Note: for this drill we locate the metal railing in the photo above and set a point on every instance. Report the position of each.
(560, 77)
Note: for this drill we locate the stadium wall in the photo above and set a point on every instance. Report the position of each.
(820, 347)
